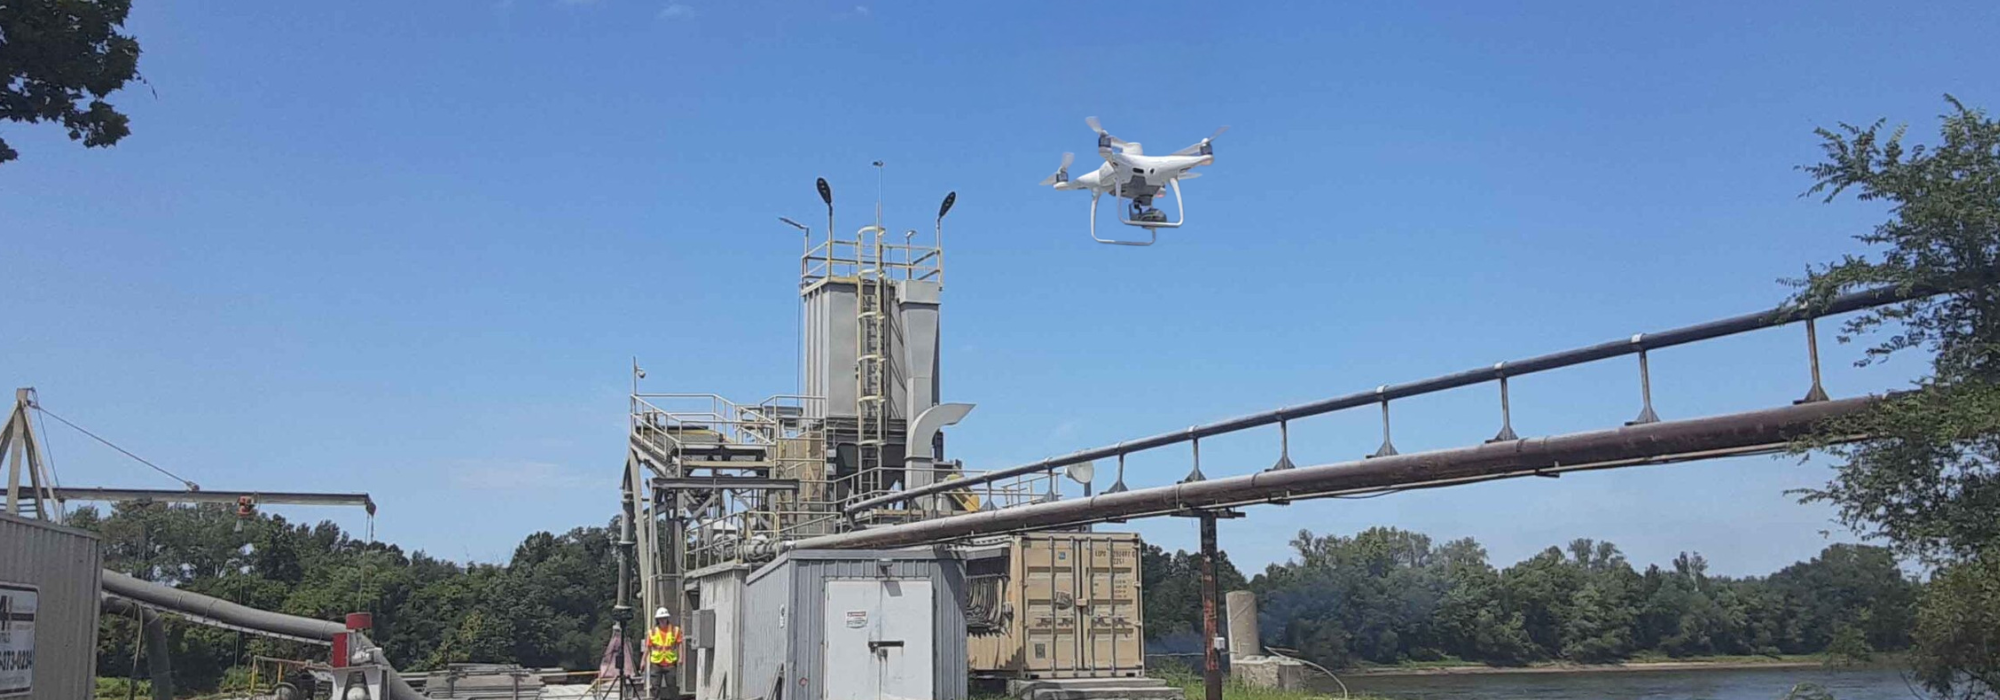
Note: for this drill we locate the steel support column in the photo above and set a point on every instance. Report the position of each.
(1211, 653)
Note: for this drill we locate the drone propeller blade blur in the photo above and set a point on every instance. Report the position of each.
(1062, 173)
(1104, 138)
(1203, 148)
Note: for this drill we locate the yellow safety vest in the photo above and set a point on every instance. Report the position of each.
(660, 645)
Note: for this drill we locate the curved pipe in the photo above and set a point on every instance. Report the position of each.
(218, 609)
(247, 617)
(159, 665)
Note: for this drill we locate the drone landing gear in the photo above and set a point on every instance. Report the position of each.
(1153, 235)
(1142, 214)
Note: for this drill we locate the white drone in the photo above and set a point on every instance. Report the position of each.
(1128, 173)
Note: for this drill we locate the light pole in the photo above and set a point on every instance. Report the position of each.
(805, 251)
(826, 195)
(880, 171)
(799, 315)
(950, 198)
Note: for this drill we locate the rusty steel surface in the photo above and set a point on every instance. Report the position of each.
(1211, 656)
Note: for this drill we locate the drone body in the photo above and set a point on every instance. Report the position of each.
(1129, 174)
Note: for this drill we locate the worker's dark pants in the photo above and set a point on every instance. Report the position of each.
(666, 683)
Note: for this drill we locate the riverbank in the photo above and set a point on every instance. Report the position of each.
(1697, 663)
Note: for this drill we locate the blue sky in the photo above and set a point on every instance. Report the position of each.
(411, 248)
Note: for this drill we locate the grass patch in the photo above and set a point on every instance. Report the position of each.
(116, 688)
(1184, 677)
(1657, 657)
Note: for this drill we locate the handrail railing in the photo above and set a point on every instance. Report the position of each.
(834, 257)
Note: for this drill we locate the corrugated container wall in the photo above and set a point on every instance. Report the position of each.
(713, 629)
(786, 619)
(61, 567)
(1058, 605)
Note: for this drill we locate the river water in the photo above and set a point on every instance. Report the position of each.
(1726, 684)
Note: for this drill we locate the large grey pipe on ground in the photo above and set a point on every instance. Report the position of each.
(1633, 445)
(159, 666)
(247, 617)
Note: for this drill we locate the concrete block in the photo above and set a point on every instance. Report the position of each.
(1269, 672)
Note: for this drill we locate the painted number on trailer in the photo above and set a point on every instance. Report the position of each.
(17, 639)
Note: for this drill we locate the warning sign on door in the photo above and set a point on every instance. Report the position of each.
(17, 639)
(857, 619)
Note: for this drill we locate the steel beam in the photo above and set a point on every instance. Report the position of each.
(1626, 346)
(726, 482)
(1633, 445)
(74, 493)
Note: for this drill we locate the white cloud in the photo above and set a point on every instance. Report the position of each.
(502, 475)
(861, 10)
(674, 11)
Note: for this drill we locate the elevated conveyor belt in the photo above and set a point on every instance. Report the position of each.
(1636, 344)
(1632, 445)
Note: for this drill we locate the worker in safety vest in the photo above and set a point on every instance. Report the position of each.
(664, 641)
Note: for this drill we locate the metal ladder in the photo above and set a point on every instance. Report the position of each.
(872, 358)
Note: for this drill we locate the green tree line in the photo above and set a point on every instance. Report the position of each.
(1388, 596)
(548, 606)
(1381, 596)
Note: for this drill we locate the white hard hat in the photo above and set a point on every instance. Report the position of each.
(661, 613)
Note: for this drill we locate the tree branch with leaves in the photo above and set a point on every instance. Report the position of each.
(59, 60)
(1927, 478)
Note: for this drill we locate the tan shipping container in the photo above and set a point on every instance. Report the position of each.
(1062, 605)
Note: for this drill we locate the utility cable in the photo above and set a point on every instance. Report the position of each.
(107, 443)
(48, 450)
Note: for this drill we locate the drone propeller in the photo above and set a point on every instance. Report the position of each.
(1204, 148)
(1104, 138)
(1062, 173)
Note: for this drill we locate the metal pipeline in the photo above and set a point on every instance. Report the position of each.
(246, 617)
(1627, 346)
(1649, 443)
(159, 665)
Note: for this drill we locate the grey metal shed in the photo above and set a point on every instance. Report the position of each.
(49, 597)
(856, 625)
